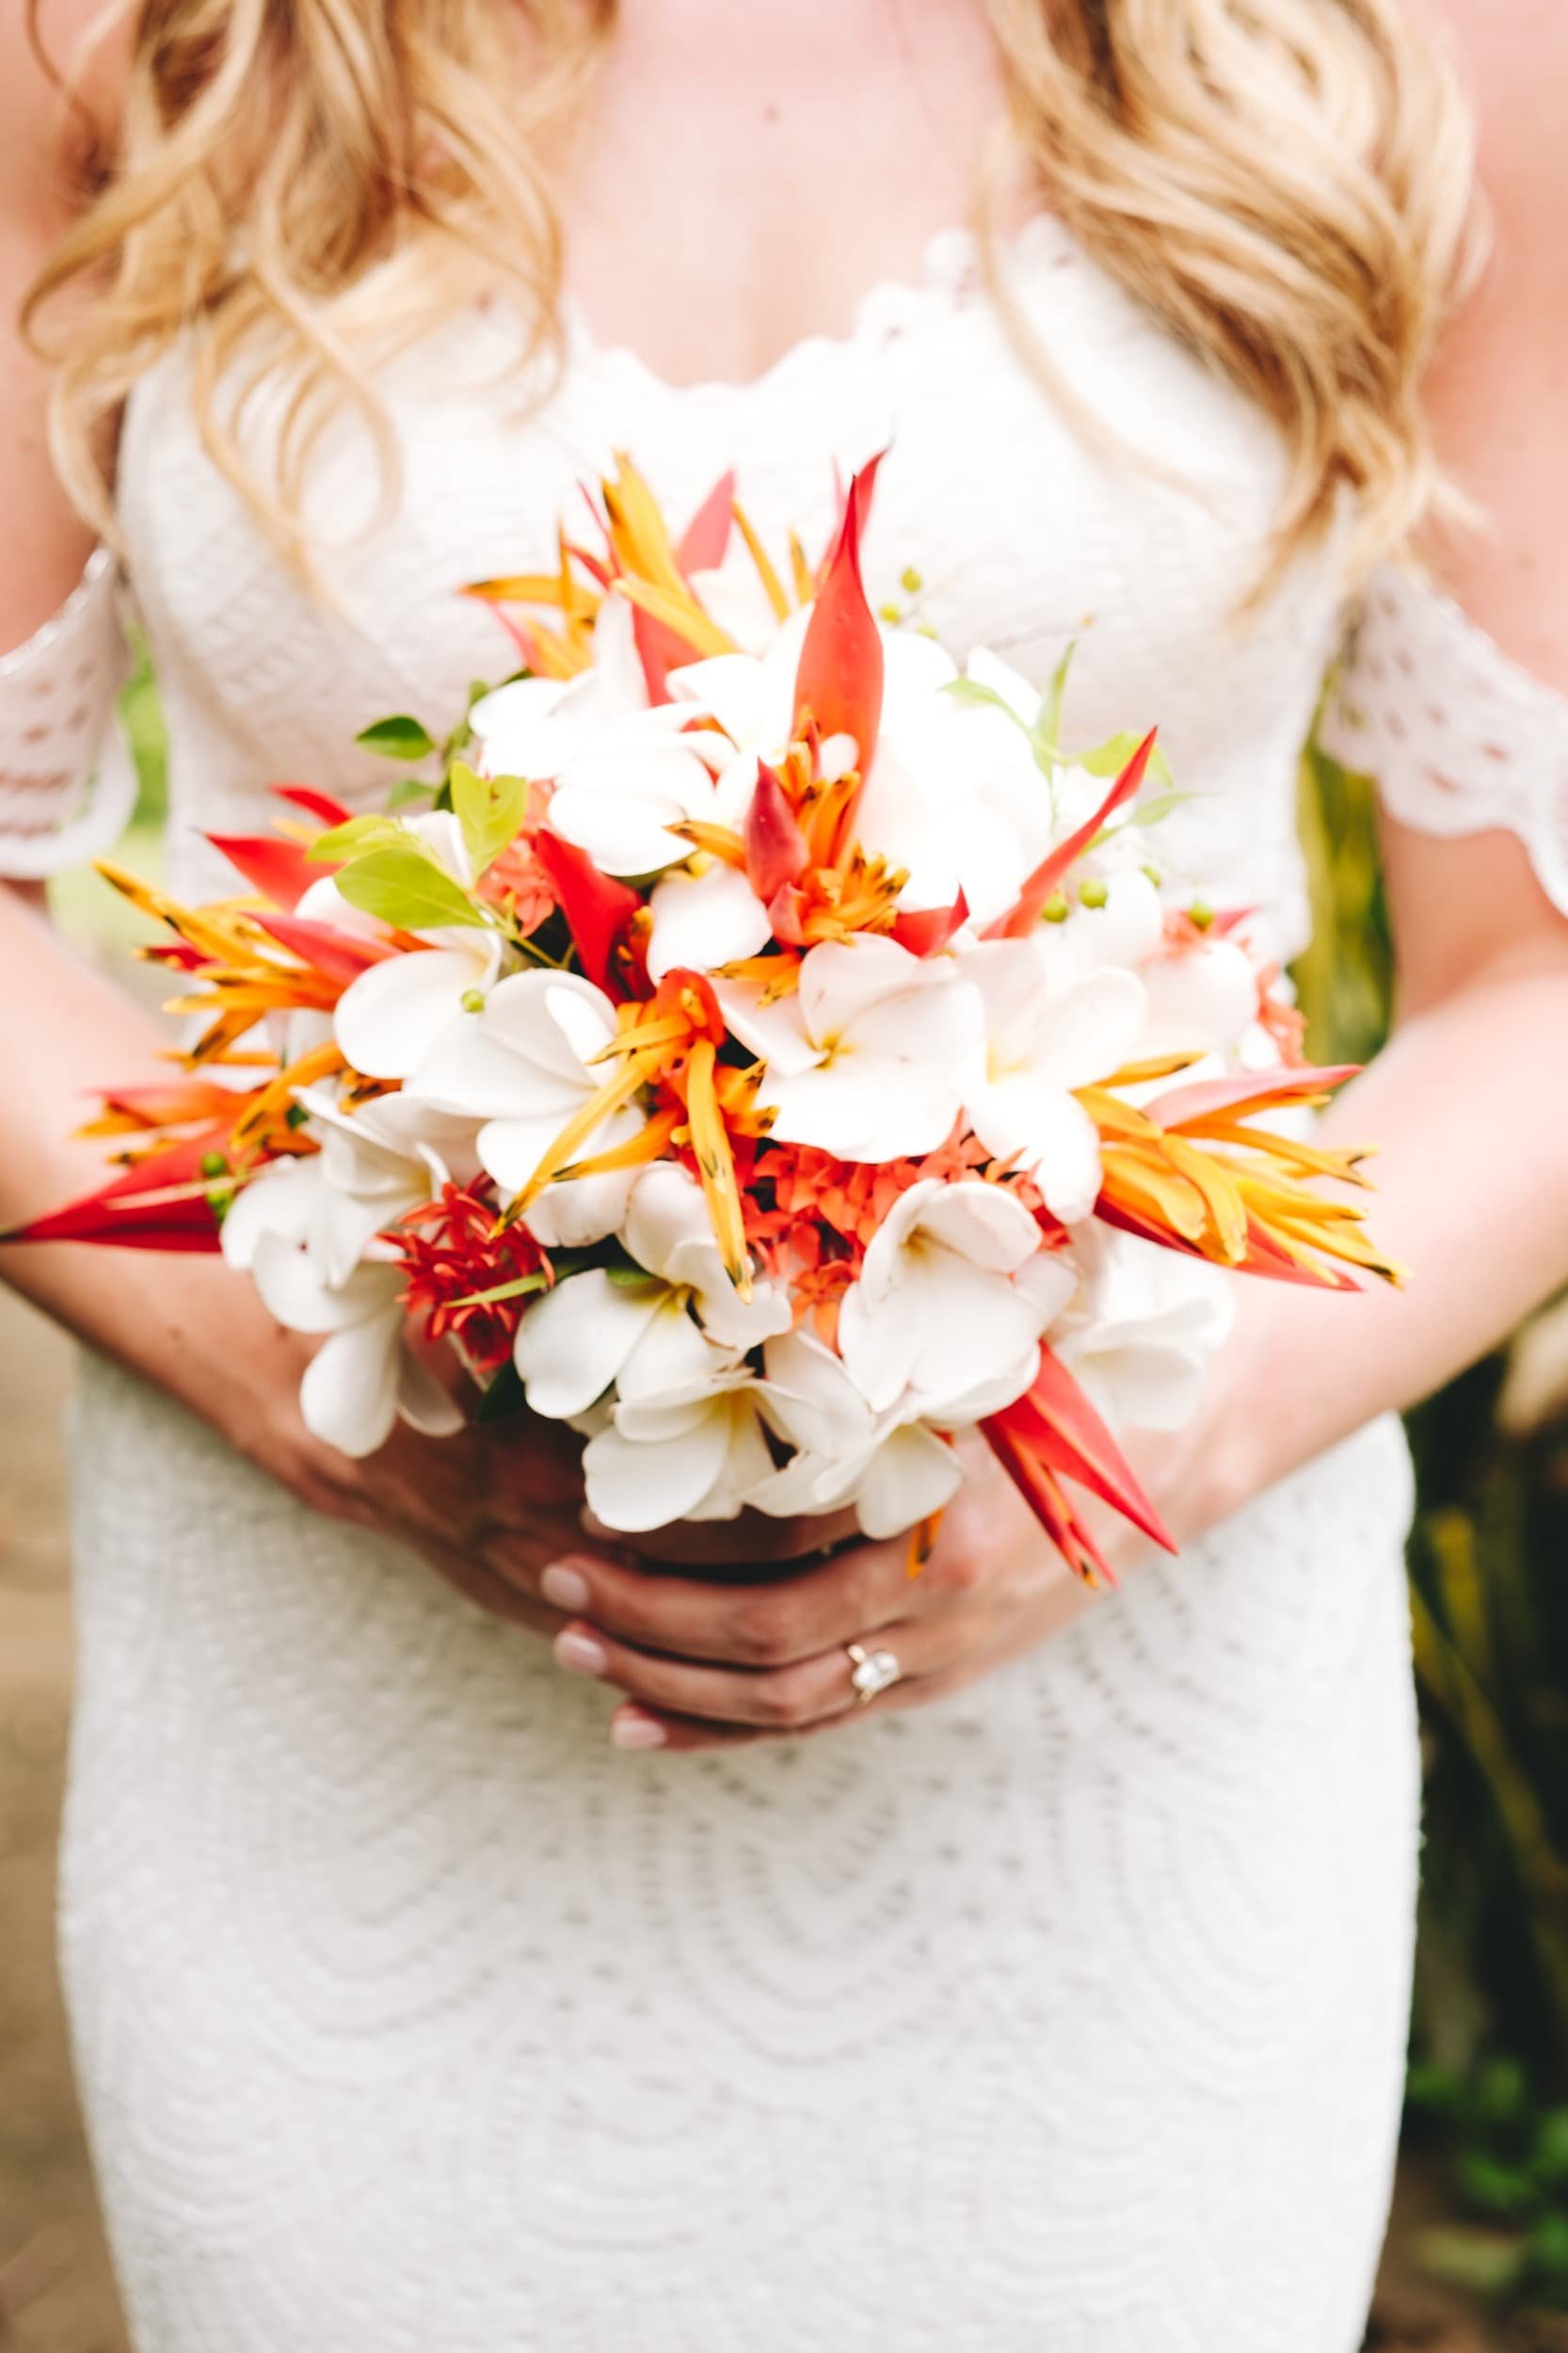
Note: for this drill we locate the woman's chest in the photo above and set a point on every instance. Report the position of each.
(1001, 519)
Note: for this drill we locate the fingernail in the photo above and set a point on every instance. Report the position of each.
(637, 1732)
(579, 1653)
(564, 1587)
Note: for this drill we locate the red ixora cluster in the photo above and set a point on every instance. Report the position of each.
(458, 1258)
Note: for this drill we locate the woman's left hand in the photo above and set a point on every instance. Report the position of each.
(705, 1664)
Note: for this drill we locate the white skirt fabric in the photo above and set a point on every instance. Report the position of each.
(1065, 2017)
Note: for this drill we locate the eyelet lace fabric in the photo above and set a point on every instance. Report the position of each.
(1458, 737)
(66, 786)
(1067, 2014)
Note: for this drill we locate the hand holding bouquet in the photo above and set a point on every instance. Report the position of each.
(763, 1047)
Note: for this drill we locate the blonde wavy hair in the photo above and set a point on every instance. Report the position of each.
(299, 184)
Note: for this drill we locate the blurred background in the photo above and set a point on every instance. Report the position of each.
(1478, 2256)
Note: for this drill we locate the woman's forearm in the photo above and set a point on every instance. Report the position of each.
(1469, 1110)
(187, 1323)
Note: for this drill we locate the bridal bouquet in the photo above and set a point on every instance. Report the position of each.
(750, 1039)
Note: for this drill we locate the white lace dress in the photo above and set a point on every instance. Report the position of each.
(1065, 2017)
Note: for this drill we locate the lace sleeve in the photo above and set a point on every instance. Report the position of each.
(67, 783)
(1458, 737)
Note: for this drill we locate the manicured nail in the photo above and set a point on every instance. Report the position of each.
(579, 1654)
(564, 1588)
(637, 1732)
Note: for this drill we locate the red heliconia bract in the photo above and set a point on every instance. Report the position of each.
(1262, 1257)
(134, 1210)
(705, 541)
(838, 680)
(324, 806)
(337, 956)
(600, 912)
(925, 930)
(701, 548)
(1052, 1433)
(1247, 1092)
(1025, 910)
(776, 853)
(165, 1103)
(277, 867)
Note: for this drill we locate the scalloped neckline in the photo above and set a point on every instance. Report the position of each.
(945, 279)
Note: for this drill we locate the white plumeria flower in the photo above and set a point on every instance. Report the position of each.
(525, 1066)
(1143, 1328)
(981, 840)
(597, 1330)
(668, 1232)
(1127, 928)
(890, 1468)
(1049, 1028)
(324, 903)
(619, 797)
(873, 1057)
(534, 726)
(934, 1317)
(752, 698)
(1200, 997)
(377, 1161)
(655, 1464)
(669, 1335)
(624, 771)
(703, 920)
(363, 1376)
(386, 1019)
(734, 597)
(985, 840)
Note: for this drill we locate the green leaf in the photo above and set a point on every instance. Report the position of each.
(1047, 734)
(1150, 813)
(565, 1262)
(970, 692)
(400, 885)
(490, 810)
(518, 1289)
(1144, 813)
(399, 738)
(1111, 758)
(407, 791)
(356, 833)
(1047, 758)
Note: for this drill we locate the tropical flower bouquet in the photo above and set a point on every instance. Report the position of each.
(751, 1039)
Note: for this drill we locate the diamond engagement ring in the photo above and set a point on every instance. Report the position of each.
(872, 1671)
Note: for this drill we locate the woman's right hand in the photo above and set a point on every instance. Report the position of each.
(490, 1509)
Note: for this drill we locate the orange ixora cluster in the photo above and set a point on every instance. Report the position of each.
(751, 1038)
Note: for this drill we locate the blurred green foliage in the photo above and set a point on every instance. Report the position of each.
(1509, 2155)
(87, 910)
(1489, 1605)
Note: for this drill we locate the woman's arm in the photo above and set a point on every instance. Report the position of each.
(487, 1511)
(1468, 1105)
(1469, 1102)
